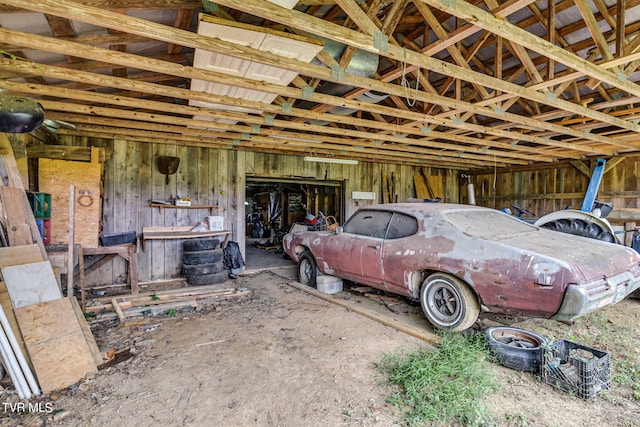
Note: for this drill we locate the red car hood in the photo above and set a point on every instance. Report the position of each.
(592, 258)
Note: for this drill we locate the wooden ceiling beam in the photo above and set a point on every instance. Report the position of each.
(486, 20)
(367, 42)
(188, 72)
(125, 130)
(297, 19)
(171, 124)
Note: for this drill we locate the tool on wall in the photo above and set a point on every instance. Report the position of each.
(86, 198)
(168, 166)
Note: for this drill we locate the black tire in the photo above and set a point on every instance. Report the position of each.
(448, 302)
(515, 348)
(202, 269)
(307, 270)
(208, 279)
(580, 227)
(202, 257)
(202, 244)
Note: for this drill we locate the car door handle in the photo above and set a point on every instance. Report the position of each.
(374, 246)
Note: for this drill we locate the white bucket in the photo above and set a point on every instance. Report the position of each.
(216, 223)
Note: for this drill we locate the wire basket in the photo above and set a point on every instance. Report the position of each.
(577, 369)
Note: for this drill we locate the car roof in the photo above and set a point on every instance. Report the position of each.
(425, 208)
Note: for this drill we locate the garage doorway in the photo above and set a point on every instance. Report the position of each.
(273, 205)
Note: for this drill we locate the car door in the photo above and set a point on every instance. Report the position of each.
(399, 254)
(366, 230)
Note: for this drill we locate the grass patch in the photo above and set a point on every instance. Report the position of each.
(443, 385)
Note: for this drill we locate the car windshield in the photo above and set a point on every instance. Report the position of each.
(487, 224)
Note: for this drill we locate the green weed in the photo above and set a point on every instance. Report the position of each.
(443, 385)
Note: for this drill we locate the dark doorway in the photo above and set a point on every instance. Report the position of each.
(273, 205)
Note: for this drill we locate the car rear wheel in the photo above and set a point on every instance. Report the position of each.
(448, 302)
(307, 270)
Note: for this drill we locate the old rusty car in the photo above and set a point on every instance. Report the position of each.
(463, 260)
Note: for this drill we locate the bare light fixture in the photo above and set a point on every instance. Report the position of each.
(330, 160)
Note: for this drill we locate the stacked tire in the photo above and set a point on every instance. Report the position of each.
(202, 262)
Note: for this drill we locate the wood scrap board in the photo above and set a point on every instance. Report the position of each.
(86, 331)
(422, 191)
(18, 255)
(15, 204)
(56, 344)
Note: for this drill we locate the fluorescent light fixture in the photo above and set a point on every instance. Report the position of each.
(330, 160)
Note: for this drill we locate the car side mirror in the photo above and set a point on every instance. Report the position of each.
(339, 230)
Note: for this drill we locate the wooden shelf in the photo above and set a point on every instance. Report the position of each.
(162, 206)
(180, 232)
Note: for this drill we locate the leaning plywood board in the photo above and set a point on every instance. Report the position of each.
(56, 344)
(422, 192)
(18, 255)
(5, 302)
(31, 283)
(434, 182)
(55, 177)
(86, 331)
(16, 207)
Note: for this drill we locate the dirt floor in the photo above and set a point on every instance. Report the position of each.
(282, 357)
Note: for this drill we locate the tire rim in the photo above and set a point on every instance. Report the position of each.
(306, 271)
(443, 302)
(516, 339)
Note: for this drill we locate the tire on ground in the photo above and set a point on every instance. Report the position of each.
(202, 269)
(201, 244)
(515, 348)
(208, 279)
(202, 257)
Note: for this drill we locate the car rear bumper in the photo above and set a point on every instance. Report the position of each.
(580, 299)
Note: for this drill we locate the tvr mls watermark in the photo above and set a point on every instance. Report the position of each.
(28, 408)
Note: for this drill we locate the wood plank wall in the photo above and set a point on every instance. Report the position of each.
(213, 177)
(543, 189)
(218, 177)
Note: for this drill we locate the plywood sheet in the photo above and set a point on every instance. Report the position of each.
(31, 283)
(86, 331)
(56, 344)
(55, 177)
(18, 255)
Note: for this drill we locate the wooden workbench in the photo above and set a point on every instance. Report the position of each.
(126, 251)
(180, 232)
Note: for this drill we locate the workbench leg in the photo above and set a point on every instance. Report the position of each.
(133, 269)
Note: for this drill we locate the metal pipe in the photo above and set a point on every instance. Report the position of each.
(22, 361)
(13, 367)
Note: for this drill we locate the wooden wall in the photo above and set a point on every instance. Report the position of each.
(218, 177)
(213, 177)
(543, 189)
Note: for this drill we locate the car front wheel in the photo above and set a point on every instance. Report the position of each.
(448, 302)
(307, 269)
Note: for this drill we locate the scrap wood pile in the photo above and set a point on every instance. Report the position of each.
(160, 302)
(45, 342)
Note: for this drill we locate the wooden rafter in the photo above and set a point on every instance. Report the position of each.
(483, 86)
